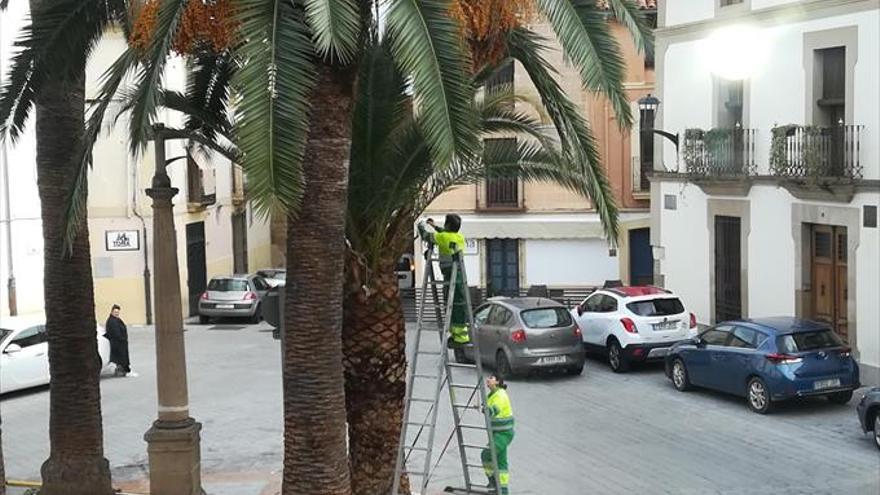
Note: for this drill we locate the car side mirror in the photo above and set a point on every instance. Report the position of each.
(699, 342)
(580, 310)
(12, 349)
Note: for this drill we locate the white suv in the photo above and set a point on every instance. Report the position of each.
(633, 324)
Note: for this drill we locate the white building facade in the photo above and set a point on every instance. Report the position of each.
(217, 233)
(770, 205)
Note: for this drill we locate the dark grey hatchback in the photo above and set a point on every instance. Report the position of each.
(869, 413)
(522, 334)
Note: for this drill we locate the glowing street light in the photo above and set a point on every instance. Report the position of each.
(736, 52)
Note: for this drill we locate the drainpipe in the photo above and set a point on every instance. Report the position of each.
(148, 291)
(4, 162)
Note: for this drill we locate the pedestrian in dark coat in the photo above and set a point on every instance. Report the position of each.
(117, 334)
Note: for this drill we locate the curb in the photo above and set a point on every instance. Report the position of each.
(37, 484)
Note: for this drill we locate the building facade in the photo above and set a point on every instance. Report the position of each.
(217, 232)
(522, 234)
(769, 204)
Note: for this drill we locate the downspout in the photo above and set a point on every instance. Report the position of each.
(148, 292)
(4, 162)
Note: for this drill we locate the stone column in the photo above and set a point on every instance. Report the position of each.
(173, 440)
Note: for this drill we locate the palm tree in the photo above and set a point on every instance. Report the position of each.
(48, 76)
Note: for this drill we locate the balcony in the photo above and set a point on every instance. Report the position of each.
(719, 153)
(201, 191)
(816, 153)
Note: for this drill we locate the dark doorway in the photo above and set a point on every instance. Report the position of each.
(728, 269)
(239, 243)
(196, 268)
(503, 267)
(641, 261)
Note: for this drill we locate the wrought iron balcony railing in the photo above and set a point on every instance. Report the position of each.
(719, 152)
(816, 152)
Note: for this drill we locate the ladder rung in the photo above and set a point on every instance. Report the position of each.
(421, 449)
(472, 446)
(419, 399)
(419, 424)
(460, 385)
(460, 365)
(473, 427)
(475, 466)
(420, 375)
(465, 406)
(430, 353)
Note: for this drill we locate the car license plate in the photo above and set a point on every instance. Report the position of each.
(551, 360)
(823, 384)
(224, 306)
(666, 325)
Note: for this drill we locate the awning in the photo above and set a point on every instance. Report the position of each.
(536, 225)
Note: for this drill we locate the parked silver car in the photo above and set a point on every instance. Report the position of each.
(236, 296)
(528, 333)
(273, 276)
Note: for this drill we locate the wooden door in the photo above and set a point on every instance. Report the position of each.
(503, 267)
(728, 268)
(829, 276)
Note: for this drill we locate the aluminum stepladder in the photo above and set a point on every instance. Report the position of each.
(418, 433)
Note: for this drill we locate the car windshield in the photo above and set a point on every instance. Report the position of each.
(403, 265)
(4, 333)
(809, 341)
(228, 285)
(546, 318)
(657, 307)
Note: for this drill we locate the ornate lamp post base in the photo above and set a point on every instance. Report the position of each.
(175, 465)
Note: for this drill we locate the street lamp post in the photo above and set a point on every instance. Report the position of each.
(174, 438)
(648, 106)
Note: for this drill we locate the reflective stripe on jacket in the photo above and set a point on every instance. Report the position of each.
(500, 410)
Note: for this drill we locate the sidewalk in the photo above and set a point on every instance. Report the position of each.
(212, 484)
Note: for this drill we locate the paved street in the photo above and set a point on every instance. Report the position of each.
(598, 433)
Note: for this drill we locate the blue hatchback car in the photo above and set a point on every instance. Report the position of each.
(766, 360)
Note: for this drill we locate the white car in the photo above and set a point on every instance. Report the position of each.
(24, 352)
(633, 324)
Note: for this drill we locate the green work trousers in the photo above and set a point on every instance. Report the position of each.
(502, 440)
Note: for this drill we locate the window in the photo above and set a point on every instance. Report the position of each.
(546, 318)
(228, 285)
(31, 336)
(725, 3)
(482, 314)
(591, 305)
(260, 284)
(744, 338)
(730, 104)
(716, 336)
(609, 304)
(831, 97)
(501, 192)
(3, 334)
(657, 307)
(499, 316)
(809, 341)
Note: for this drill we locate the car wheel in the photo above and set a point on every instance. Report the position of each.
(575, 370)
(258, 315)
(840, 397)
(616, 358)
(204, 320)
(680, 378)
(759, 396)
(502, 365)
(877, 430)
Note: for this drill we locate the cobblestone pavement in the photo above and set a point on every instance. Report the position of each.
(598, 433)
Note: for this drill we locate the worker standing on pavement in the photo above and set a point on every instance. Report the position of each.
(449, 241)
(498, 404)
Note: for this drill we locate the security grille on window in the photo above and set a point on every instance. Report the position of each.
(501, 192)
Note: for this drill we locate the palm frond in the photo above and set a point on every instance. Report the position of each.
(336, 27)
(632, 17)
(274, 83)
(426, 44)
(572, 128)
(149, 78)
(585, 35)
(56, 43)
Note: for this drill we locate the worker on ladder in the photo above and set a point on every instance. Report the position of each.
(498, 404)
(449, 240)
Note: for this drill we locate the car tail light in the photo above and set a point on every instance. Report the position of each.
(518, 336)
(693, 320)
(628, 325)
(250, 296)
(204, 296)
(577, 331)
(778, 358)
(845, 352)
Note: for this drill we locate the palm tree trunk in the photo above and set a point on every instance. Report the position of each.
(374, 343)
(76, 463)
(315, 457)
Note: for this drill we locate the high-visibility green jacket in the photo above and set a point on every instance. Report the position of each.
(500, 410)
